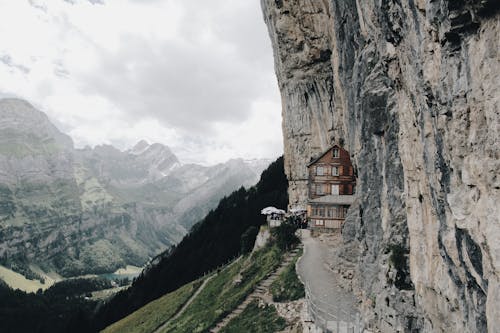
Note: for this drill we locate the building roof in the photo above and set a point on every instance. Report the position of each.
(272, 210)
(335, 199)
(323, 154)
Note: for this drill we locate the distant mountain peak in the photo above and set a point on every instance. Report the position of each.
(19, 120)
(139, 147)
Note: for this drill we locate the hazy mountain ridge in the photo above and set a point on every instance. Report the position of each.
(93, 210)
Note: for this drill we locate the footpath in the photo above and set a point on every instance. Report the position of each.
(261, 292)
(332, 307)
(191, 299)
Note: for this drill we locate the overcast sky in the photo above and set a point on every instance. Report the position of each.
(195, 75)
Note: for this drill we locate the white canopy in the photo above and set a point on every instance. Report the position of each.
(272, 210)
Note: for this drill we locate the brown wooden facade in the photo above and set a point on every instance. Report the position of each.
(332, 185)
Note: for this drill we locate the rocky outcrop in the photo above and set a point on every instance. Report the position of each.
(410, 89)
(94, 210)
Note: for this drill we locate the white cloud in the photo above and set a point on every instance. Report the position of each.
(195, 75)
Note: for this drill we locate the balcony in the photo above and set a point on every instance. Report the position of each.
(345, 200)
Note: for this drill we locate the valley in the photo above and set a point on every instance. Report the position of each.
(96, 210)
(168, 281)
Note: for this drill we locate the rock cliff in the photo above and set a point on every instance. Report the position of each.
(411, 90)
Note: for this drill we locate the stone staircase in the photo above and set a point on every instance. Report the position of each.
(261, 292)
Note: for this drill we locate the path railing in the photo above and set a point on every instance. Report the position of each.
(334, 320)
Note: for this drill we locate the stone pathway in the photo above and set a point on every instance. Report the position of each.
(260, 292)
(328, 302)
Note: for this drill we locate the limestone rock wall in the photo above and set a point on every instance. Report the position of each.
(411, 89)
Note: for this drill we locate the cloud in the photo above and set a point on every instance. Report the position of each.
(94, 2)
(7, 60)
(184, 85)
(199, 71)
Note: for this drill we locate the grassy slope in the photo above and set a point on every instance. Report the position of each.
(255, 319)
(154, 314)
(287, 286)
(222, 294)
(19, 281)
(212, 242)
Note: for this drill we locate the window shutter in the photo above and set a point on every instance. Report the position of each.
(341, 170)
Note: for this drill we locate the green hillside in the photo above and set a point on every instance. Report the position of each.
(216, 299)
(212, 242)
(225, 292)
(154, 314)
(255, 319)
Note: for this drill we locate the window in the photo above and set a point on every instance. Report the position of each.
(335, 171)
(336, 153)
(318, 211)
(335, 190)
(319, 222)
(321, 211)
(329, 212)
(319, 189)
(320, 171)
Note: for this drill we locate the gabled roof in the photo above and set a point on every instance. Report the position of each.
(321, 156)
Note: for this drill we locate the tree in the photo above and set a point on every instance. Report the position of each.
(248, 239)
(285, 235)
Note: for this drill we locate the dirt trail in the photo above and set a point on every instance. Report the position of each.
(190, 300)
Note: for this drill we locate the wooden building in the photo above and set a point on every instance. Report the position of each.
(332, 185)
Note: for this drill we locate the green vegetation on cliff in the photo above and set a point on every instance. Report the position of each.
(288, 287)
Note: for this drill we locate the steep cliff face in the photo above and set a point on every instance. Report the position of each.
(410, 88)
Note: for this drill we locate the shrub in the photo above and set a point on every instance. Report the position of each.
(284, 236)
(288, 286)
(248, 239)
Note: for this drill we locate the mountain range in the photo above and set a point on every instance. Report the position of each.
(78, 211)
